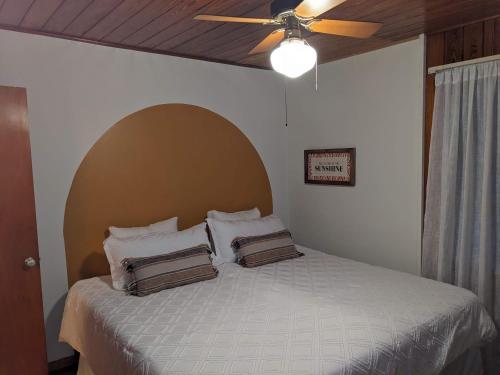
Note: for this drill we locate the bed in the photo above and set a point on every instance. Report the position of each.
(318, 314)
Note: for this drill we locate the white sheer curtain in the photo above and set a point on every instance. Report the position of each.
(461, 243)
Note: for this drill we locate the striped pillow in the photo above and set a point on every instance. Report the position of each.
(269, 248)
(155, 273)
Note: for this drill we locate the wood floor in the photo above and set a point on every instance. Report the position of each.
(65, 366)
(67, 371)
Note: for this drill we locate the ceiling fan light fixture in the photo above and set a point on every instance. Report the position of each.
(293, 57)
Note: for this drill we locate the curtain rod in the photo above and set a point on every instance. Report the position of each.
(436, 69)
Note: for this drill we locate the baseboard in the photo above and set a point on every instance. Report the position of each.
(64, 363)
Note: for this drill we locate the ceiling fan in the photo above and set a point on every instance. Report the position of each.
(295, 56)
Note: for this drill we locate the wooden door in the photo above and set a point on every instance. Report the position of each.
(22, 333)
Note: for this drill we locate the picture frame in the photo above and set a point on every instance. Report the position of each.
(335, 166)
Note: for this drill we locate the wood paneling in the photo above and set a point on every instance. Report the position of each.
(124, 11)
(473, 41)
(12, 11)
(147, 15)
(66, 13)
(462, 43)
(496, 36)
(92, 15)
(167, 26)
(454, 45)
(489, 37)
(39, 13)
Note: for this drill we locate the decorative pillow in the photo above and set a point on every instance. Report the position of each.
(224, 232)
(256, 251)
(167, 226)
(152, 274)
(117, 249)
(233, 216)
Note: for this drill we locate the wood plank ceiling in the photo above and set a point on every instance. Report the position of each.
(167, 26)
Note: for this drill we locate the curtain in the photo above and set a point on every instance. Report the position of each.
(461, 242)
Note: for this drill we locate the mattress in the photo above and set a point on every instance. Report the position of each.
(318, 314)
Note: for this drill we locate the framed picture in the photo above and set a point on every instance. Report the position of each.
(330, 167)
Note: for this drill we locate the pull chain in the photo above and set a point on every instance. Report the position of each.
(316, 80)
(286, 106)
(315, 68)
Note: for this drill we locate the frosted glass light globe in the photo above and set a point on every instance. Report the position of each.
(293, 58)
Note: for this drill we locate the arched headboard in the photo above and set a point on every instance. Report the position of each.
(163, 161)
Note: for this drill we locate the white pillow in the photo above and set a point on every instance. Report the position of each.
(167, 226)
(254, 213)
(151, 244)
(224, 232)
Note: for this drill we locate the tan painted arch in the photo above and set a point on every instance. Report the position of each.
(163, 161)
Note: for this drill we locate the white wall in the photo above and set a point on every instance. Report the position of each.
(77, 91)
(373, 102)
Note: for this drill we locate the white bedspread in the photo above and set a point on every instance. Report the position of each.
(318, 314)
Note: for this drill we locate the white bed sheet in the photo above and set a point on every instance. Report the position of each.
(318, 314)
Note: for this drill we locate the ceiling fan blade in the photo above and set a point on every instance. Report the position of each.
(208, 17)
(313, 8)
(345, 28)
(269, 42)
